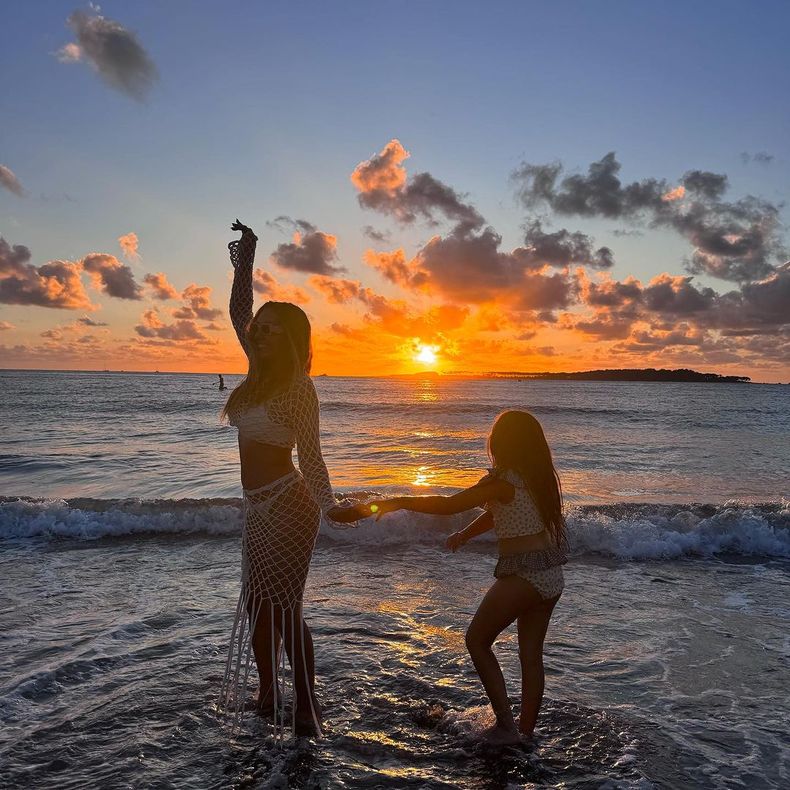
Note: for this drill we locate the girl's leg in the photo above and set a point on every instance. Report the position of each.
(503, 603)
(266, 652)
(299, 647)
(532, 626)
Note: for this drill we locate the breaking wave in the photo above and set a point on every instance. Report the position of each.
(624, 531)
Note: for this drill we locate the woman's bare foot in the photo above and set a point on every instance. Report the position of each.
(500, 735)
(305, 724)
(264, 704)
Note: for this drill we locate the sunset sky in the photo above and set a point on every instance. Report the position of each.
(442, 186)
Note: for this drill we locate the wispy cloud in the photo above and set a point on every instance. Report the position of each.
(736, 240)
(9, 181)
(87, 321)
(129, 246)
(760, 157)
(113, 51)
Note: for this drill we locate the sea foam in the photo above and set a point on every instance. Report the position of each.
(623, 531)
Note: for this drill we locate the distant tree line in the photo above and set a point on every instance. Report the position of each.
(635, 374)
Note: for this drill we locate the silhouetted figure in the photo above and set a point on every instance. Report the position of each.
(522, 500)
(221, 382)
(275, 408)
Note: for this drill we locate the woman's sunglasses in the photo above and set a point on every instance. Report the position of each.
(261, 328)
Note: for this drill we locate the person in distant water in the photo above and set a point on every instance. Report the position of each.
(274, 408)
(221, 382)
(522, 497)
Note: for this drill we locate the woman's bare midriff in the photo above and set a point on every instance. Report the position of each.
(262, 464)
(524, 543)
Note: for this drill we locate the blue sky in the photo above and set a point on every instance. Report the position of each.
(265, 109)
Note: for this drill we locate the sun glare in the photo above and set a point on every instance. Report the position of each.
(426, 355)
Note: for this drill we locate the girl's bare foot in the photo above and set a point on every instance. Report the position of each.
(527, 735)
(499, 735)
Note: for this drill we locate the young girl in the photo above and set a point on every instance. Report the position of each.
(522, 498)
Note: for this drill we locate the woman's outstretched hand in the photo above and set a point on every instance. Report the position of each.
(347, 515)
(379, 507)
(455, 541)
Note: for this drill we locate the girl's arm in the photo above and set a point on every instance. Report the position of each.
(242, 256)
(481, 524)
(476, 496)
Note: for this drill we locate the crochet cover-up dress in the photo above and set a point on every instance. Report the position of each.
(281, 519)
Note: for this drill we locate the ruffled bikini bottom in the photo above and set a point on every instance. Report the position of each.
(542, 569)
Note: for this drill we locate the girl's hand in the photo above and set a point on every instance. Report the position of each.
(378, 507)
(455, 541)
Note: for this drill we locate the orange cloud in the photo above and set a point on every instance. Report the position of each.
(197, 304)
(266, 285)
(394, 267)
(152, 326)
(160, 286)
(383, 172)
(674, 194)
(336, 290)
(129, 245)
(54, 284)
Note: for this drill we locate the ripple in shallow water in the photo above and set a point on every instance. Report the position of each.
(115, 654)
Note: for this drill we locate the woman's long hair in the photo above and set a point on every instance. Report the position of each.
(268, 377)
(517, 442)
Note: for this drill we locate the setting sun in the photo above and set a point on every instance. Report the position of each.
(426, 355)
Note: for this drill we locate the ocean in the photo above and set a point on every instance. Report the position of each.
(668, 658)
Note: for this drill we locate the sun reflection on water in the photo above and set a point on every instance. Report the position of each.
(426, 391)
(424, 476)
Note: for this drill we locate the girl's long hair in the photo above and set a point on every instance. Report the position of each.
(517, 442)
(267, 377)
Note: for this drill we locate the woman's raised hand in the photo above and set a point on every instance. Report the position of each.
(237, 225)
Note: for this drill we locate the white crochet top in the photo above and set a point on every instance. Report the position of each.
(290, 417)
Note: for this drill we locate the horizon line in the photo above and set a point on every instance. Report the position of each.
(426, 374)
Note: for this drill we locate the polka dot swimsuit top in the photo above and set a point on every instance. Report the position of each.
(518, 517)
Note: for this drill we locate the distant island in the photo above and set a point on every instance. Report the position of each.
(615, 374)
(629, 374)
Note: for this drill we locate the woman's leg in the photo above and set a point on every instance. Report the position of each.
(508, 598)
(266, 649)
(532, 627)
(298, 643)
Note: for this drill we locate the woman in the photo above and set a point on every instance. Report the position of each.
(274, 408)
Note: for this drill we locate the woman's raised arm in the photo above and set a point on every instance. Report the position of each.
(242, 256)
